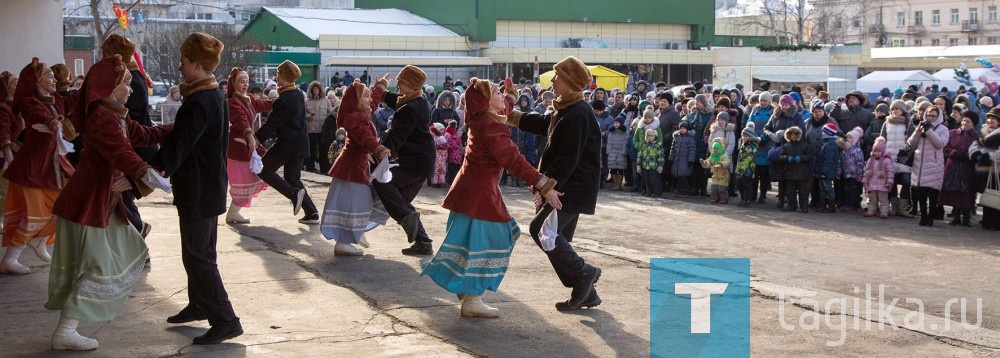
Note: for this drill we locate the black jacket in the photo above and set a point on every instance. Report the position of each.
(194, 155)
(409, 140)
(138, 110)
(797, 158)
(572, 156)
(287, 123)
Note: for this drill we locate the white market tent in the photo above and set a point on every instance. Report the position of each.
(946, 76)
(876, 81)
(385, 22)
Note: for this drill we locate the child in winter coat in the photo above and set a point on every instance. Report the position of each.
(651, 163)
(852, 167)
(455, 151)
(682, 156)
(441, 156)
(617, 153)
(746, 164)
(878, 179)
(718, 163)
(827, 162)
(337, 146)
(723, 130)
(796, 158)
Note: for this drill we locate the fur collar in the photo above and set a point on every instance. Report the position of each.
(897, 120)
(715, 126)
(568, 100)
(286, 88)
(207, 83)
(115, 107)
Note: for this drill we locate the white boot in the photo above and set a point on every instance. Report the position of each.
(343, 249)
(473, 306)
(66, 338)
(9, 264)
(364, 242)
(38, 246)
(234, 217)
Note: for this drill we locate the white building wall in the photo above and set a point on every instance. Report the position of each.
(30, 28)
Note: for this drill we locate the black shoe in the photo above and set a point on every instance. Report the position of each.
(592, 301)
(219, 333)
(310, 219)
(419, 248)
(954, 221)
(781, 203)
(762, 200)
(789, 209)
(925, 220)
(804, 210)
(411, 225)
(190, 313)
(583, 285)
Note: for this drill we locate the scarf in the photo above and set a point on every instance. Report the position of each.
(242, 97)
(191, 88)
(897, 120)
(117, 108)
(717, 153)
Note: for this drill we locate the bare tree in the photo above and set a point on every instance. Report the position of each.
(161, 50)
(785, 20)
(102, 28)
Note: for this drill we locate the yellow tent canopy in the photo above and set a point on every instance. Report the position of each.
(606, 78)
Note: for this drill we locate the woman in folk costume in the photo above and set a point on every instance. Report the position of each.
(350, 208)
(244, 185)
(481, 233)
(40, 171)
(99, 256)
(10, 127)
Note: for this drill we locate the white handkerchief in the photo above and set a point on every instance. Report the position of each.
(382, 172)
(550, 230)
(64, 146)
(154, 180)
(256, 164)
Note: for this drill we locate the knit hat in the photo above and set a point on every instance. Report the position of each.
(829, 107)
(717, 146)
(102, 79)
(173, 89)
(723, 116)
(796, 96)
(922, 106)
(830, 129)
(749, 130)
(651, 132)
(202, 49)
(341, 130)
(754, 98)
(786, 99)
(994, 112)
(959, 107)
(289, 71)
(881, 107)
(412, 76)
(909, 106)
(986, 101)
(439, 127)
(724, 101)
(879, 145)
(971, 115)
(118, 45)
(854, 135)
(898, 91)
(900, 105)
(574, 72)
(817, 104)
(598, 105)
(687, 125)
(765, 97)
(61, 72)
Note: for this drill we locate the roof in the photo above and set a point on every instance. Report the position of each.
(875, 81)
(429, 61)
(313, 22)
(936, 51)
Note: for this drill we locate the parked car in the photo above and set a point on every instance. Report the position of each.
(160, 92)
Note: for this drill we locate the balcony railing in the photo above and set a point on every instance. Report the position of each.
(970, 26)
(875, 30)
(915, 29)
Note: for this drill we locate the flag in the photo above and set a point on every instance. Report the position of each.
(122, 16)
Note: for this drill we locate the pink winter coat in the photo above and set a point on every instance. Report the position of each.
(879, 174)
(928, 162)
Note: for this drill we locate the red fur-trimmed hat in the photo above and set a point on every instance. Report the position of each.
(27, 83)
(101, 81)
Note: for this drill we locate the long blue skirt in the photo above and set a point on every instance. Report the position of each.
(351, 209)
(474, 255)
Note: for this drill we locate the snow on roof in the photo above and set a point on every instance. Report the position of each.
(936, 51)
(384, 22)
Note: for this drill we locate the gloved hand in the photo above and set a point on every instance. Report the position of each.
(985, 159)
(659, 169)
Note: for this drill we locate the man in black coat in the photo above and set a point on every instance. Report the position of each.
(412, 146)
(287, 123)
(573, 158)
(194, 158)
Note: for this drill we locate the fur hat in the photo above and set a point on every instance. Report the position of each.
(994, 112)
(725, 102)
(854, 135)
(786, 99)
(879, 145)
(102, 79)
(824, 95)
(793, 134)
(830, 129)
(651, 132)
(973, 116)
(412, 76)
(817, 104)
(687, 125)
(959, 107)
(203, 49)
(749, 130)
(922, 106)
(574, 72)
(117, 44)
(289, 71)
(61, 72)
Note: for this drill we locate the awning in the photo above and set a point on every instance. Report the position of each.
(798, 78)
(430, 61)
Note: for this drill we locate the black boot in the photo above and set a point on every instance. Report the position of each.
(583, 285)
(592, 301)
(966, 217)
(419, 248)
(956, 217)
(925, 220)
(781, 202)
(220, 332)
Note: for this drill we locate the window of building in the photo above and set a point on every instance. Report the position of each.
(900, 19)
(856, 21)
(936, 17)
(992, 40)
(973, 41)
(200, 16)
(918, 42)
(954, 16)
(952, 42)
(838, 23)
(78, 66)
(973, 15)
(935, 42)
(918, 17)
(991, 14)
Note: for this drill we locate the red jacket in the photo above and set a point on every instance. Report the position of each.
(352, 164)
(107, 155)
(241, 116)
(35, 164)
(490, 150)
(10, 125)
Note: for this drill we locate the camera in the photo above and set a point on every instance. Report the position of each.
(926, 125)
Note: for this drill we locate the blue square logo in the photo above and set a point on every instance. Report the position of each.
(699, 307)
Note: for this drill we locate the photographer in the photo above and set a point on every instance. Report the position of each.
(929, 140)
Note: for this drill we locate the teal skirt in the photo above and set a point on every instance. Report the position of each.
(474, 255)
(94, 269)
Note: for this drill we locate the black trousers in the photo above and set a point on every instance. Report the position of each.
(746, 186)
(926, 199)
(205, 288)
(397, 197)
(797, 193)
(564, 259)
(292, 181)
(762, 176)
(316, 154)
(131, 210)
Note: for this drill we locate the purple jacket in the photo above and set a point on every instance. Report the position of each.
(879, 174)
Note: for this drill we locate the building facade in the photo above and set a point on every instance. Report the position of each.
(911, 23)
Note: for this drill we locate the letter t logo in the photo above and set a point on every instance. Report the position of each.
(701, 303)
